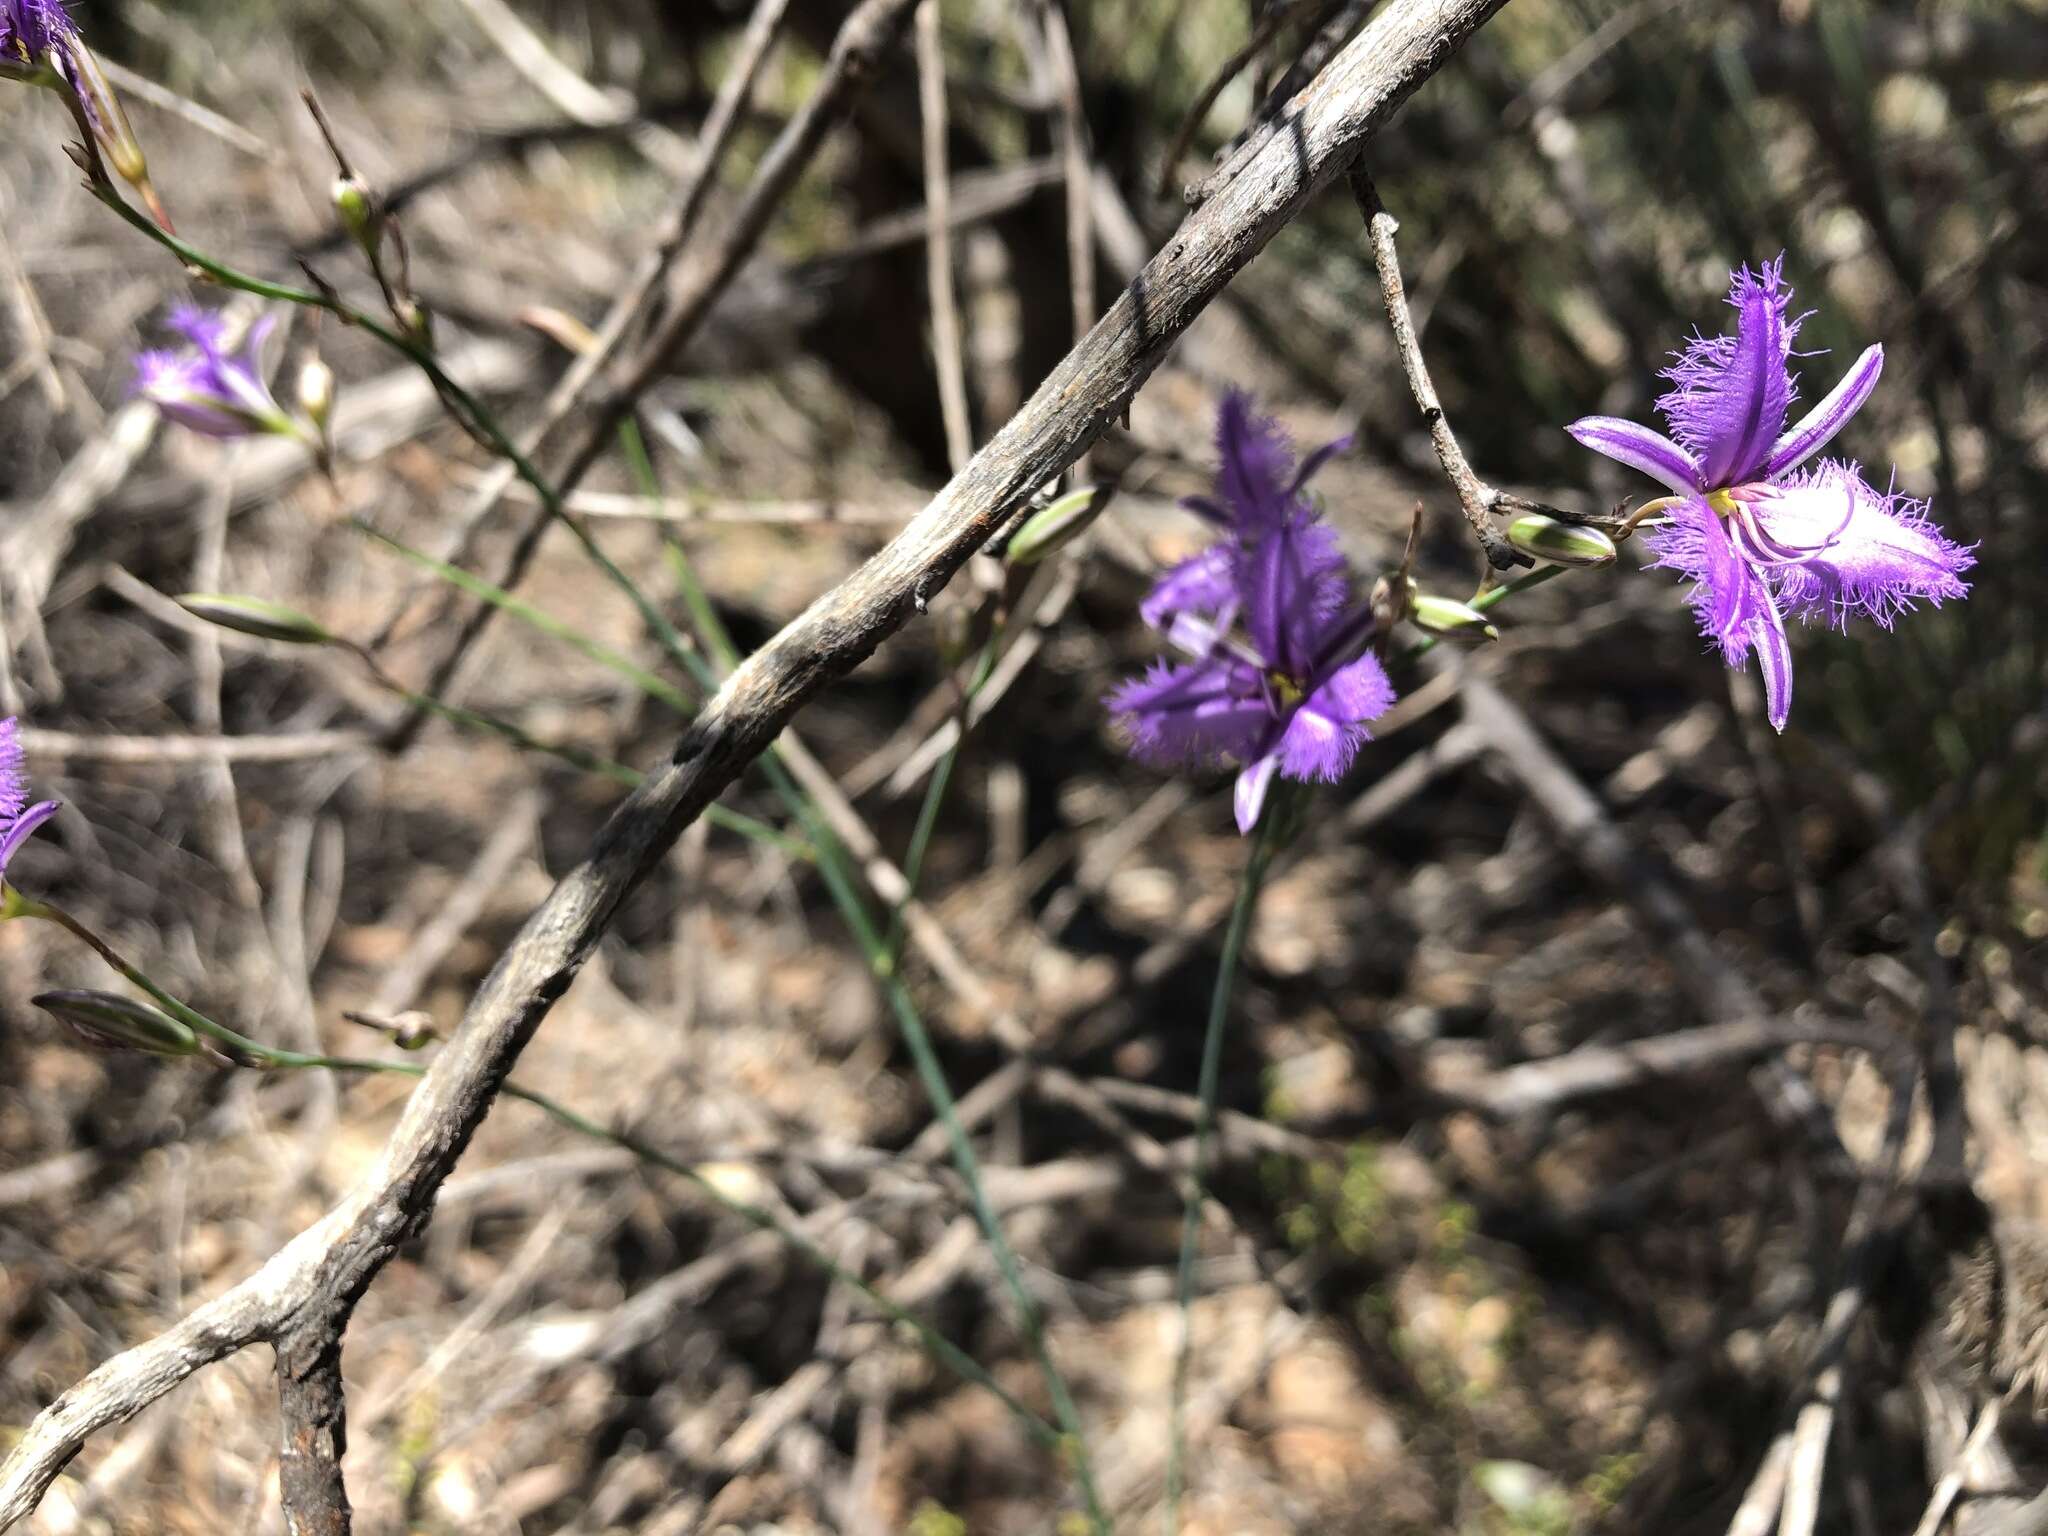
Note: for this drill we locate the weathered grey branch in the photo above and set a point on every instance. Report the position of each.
(312, 1420)
(321, 1274)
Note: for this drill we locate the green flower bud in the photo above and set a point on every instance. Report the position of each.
(108, 1021)
(1563, 543)
(1054, 527)
(358, 213)
(255, 616)
(1452, 619)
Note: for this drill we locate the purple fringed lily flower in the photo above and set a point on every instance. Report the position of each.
(32, 32)
(1292, 692)
(18, 819)
(1759, 534)
(209, 390)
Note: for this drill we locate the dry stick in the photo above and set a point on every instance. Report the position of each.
(1477, 498)
(868, 32)
(1073, 137)
(634, 305)
(1591, 1070)
(158, 750)
(945, 303)
(316, 1279)
(1951, 1484)
(528, 52)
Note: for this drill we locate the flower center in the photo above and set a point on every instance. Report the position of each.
(1738, 507)
(1285, 688)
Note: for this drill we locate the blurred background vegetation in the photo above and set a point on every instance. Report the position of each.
(1597, 1315)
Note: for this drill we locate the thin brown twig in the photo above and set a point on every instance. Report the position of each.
(938, 200)
(1478, 499)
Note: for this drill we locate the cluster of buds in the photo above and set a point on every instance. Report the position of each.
(40, 45)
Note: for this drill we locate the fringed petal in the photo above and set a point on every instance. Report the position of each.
(1326, 731)
(1193, 714)
(1732, 392)
(1203, 585)
(1865, 550)
(1256, 471)
(1291, 583)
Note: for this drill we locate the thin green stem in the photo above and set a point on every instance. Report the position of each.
(836, 868)
(935, 796)
(538, 618)
(1264, 845)
(253, 1053)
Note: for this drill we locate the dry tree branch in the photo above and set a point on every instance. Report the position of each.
(310, 1287)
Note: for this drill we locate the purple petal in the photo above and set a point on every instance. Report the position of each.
(1248, 797)
(1873, 552)
(13, 771)
(1202, 585)
(1774, 654)
(1291, 583)
(1733, 391)
(1640, 448)
(1313, 464)
(1820, 424)
(1728, 595)
(204, 329)
(19, 829)
(34, 26)
(1257, 465)
(1196, 713)
(1325, 733)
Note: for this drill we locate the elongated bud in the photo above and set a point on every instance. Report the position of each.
(358, 213)
(316, 392)
(1452, 619)
(255, 616)
(1054, 527)
(110, 126)
(108, 1021)
(1562, 543)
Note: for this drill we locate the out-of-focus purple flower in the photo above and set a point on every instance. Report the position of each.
(1758, 534)
(1277, 678)
(32, 31)
(17, 817)
(206, 388)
